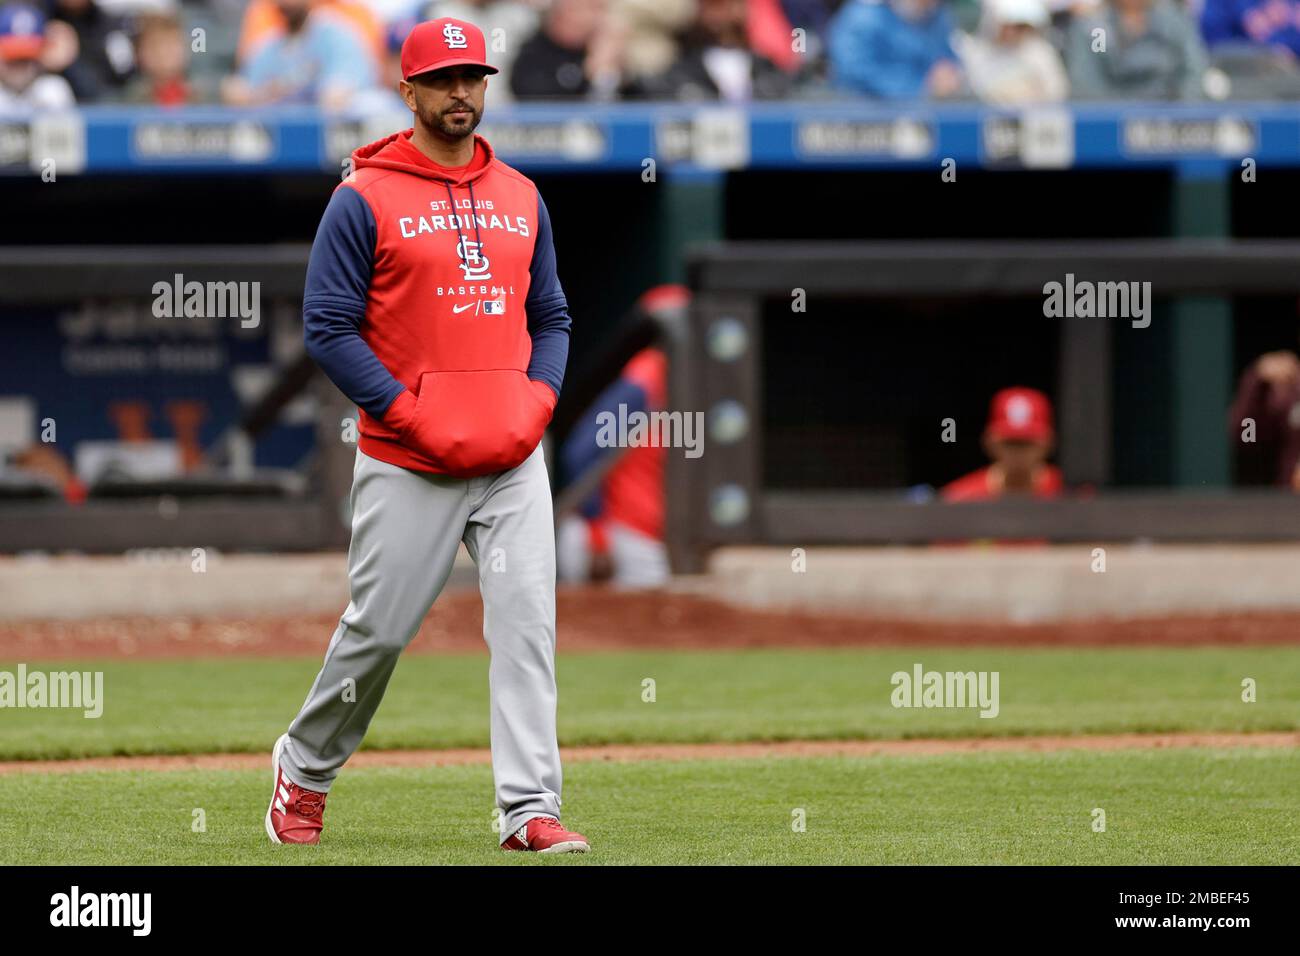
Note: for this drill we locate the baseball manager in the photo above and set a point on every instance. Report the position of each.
(432, 302)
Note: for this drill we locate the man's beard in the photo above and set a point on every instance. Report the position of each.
(439, 123)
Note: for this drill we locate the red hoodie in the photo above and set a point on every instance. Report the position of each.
(447, 278)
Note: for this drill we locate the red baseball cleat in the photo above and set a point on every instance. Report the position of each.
(296, 814)
(545, 835)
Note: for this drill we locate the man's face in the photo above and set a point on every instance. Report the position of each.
(1014, 34)
(448, 102)
(1018, 457)
(572, 23)
(19, 73)
(161, 53)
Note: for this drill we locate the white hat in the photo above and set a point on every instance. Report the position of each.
(1032, 12)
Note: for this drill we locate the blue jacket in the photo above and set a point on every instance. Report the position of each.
(1252, 21)
(875, 51)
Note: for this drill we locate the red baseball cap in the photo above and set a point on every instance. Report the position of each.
(435, 44)
(1020, 414)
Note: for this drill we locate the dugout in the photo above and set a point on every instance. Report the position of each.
(845, 396)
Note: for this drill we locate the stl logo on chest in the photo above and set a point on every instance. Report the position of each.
(472, 262)
(468, 253)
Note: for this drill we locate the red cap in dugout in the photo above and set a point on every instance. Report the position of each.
(436, 44)
(1020, 414)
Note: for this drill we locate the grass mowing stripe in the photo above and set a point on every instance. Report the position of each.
(1162, 807)
(241, 705)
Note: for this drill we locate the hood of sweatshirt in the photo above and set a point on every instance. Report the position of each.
(399, 153)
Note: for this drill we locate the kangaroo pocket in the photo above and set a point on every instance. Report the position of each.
(475, 423)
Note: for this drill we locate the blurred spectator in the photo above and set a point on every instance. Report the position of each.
(813, 16)
(576, 53)
(383, 97)
(813, 19)
(717, 63)
(1254, 43)
(651, 31)
(897, 49)
(771, 35)
(162, 51)
(318, 58)
(266, 21)
(1009, 61)
(387, 13)
(1269, 395)
(214, 45)
(103, 57)
(24, 81)
(1263, 23)
(1152, 51)
(621, 528)
(506, 24)
(1018, 438)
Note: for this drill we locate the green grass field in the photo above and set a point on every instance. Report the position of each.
(1162, 807)
(239, 705)
(1202, 806)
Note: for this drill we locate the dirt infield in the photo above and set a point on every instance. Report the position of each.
(708, 751)
(592, 619)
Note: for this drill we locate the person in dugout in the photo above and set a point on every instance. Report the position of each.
(1019, 438)
(618, 532)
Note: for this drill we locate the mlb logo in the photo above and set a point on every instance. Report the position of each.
(497, 307)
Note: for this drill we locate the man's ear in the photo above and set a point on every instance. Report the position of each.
(407, 92)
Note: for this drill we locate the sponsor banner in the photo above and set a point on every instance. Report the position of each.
(884, 139)
(239, 141)
(1167, 136)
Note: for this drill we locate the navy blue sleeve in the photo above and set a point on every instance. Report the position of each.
(334, 303)
(581, 451)
(547, 309)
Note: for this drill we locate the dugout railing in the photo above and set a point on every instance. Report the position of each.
(228, 504)
(715, 347)
(720, 498)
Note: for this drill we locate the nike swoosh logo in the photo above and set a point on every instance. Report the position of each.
(461, 308)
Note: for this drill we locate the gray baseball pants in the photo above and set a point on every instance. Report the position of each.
(406, 527)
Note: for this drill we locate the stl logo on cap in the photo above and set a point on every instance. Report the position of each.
(455, 37)
(1019, 411)
(1020, 414)
(438, 44)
